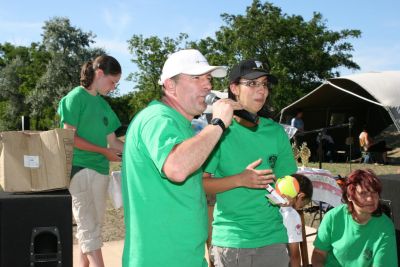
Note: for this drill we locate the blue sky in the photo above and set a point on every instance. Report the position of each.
(115, 22)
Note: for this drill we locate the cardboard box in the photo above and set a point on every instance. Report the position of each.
(35, 161)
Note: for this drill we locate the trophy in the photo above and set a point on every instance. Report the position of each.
(305, 154)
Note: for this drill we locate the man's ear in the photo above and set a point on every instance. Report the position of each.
(169, 86)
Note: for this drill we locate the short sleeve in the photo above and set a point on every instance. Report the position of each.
(211, 164)
(324, 237)
(69, 110)
(292, 222)
(160, 135)
(285, 164)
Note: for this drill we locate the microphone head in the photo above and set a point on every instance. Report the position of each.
(211, 98)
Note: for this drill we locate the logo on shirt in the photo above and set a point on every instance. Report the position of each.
(298, 229)
(272, 160)
(367, 254)
(105, 121)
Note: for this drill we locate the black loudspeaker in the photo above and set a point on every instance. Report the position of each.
(391, 186)
(36, 229)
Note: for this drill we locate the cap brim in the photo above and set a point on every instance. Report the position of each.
(258, 74)
(216, 71)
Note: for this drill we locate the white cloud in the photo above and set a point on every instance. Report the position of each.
(378, 58)
(113, 46)
(20, 25)
(117, 19)
(21, 32)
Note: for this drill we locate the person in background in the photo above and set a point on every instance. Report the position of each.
(85, 111)
(327, 146)
(247, 229)
(292, 220)
(297, 121)
(357, 233)
(165, 207)
(368, 146)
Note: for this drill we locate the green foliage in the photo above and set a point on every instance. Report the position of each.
(301, 53)
(13, 80)
(123, 109)
(69, 49)
(149, 54)
(20, 68)
(33, 79)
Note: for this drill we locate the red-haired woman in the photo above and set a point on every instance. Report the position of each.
(357, 233)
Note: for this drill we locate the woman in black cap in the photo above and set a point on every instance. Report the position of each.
(247, 229)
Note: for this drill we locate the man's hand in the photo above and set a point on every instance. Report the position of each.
(223, 109)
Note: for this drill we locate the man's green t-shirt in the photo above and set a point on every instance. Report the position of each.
(94, 120)
(350, 244)
(243, 217)
(166, 222)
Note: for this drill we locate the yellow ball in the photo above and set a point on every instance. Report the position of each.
(288, 186)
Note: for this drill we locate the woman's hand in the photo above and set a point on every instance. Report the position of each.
(253, 178)
(113, 154)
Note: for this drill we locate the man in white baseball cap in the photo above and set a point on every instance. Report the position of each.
(191, 62)
(164, 201)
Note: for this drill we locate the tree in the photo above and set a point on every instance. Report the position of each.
(301, 53)
(69, 48)
(121, 107)
(149, 54)
(12, 99)
(20, 69)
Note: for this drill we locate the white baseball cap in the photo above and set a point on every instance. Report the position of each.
(191, 62)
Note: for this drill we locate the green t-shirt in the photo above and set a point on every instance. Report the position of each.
(94, 120)
(243, 217)
(354, 245)
(166, 222)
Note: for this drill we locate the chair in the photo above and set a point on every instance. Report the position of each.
(341, 156)
(387, 208)
(319, 210)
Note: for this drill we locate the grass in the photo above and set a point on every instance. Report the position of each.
(343, 169)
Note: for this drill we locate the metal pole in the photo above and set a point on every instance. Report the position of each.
(23, 123)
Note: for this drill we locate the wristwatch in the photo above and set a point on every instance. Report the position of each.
(219, 122)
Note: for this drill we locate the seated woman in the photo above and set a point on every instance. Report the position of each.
(368, 146)
(357, 233)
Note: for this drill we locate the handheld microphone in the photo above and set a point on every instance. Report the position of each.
(211, 98)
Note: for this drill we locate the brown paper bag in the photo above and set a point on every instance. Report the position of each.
(35, 161)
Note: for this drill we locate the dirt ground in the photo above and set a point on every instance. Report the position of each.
(113, 228)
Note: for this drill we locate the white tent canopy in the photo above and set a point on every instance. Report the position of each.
(371, 98)
(377, 88)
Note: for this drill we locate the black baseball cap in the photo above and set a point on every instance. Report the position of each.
(251, 69)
